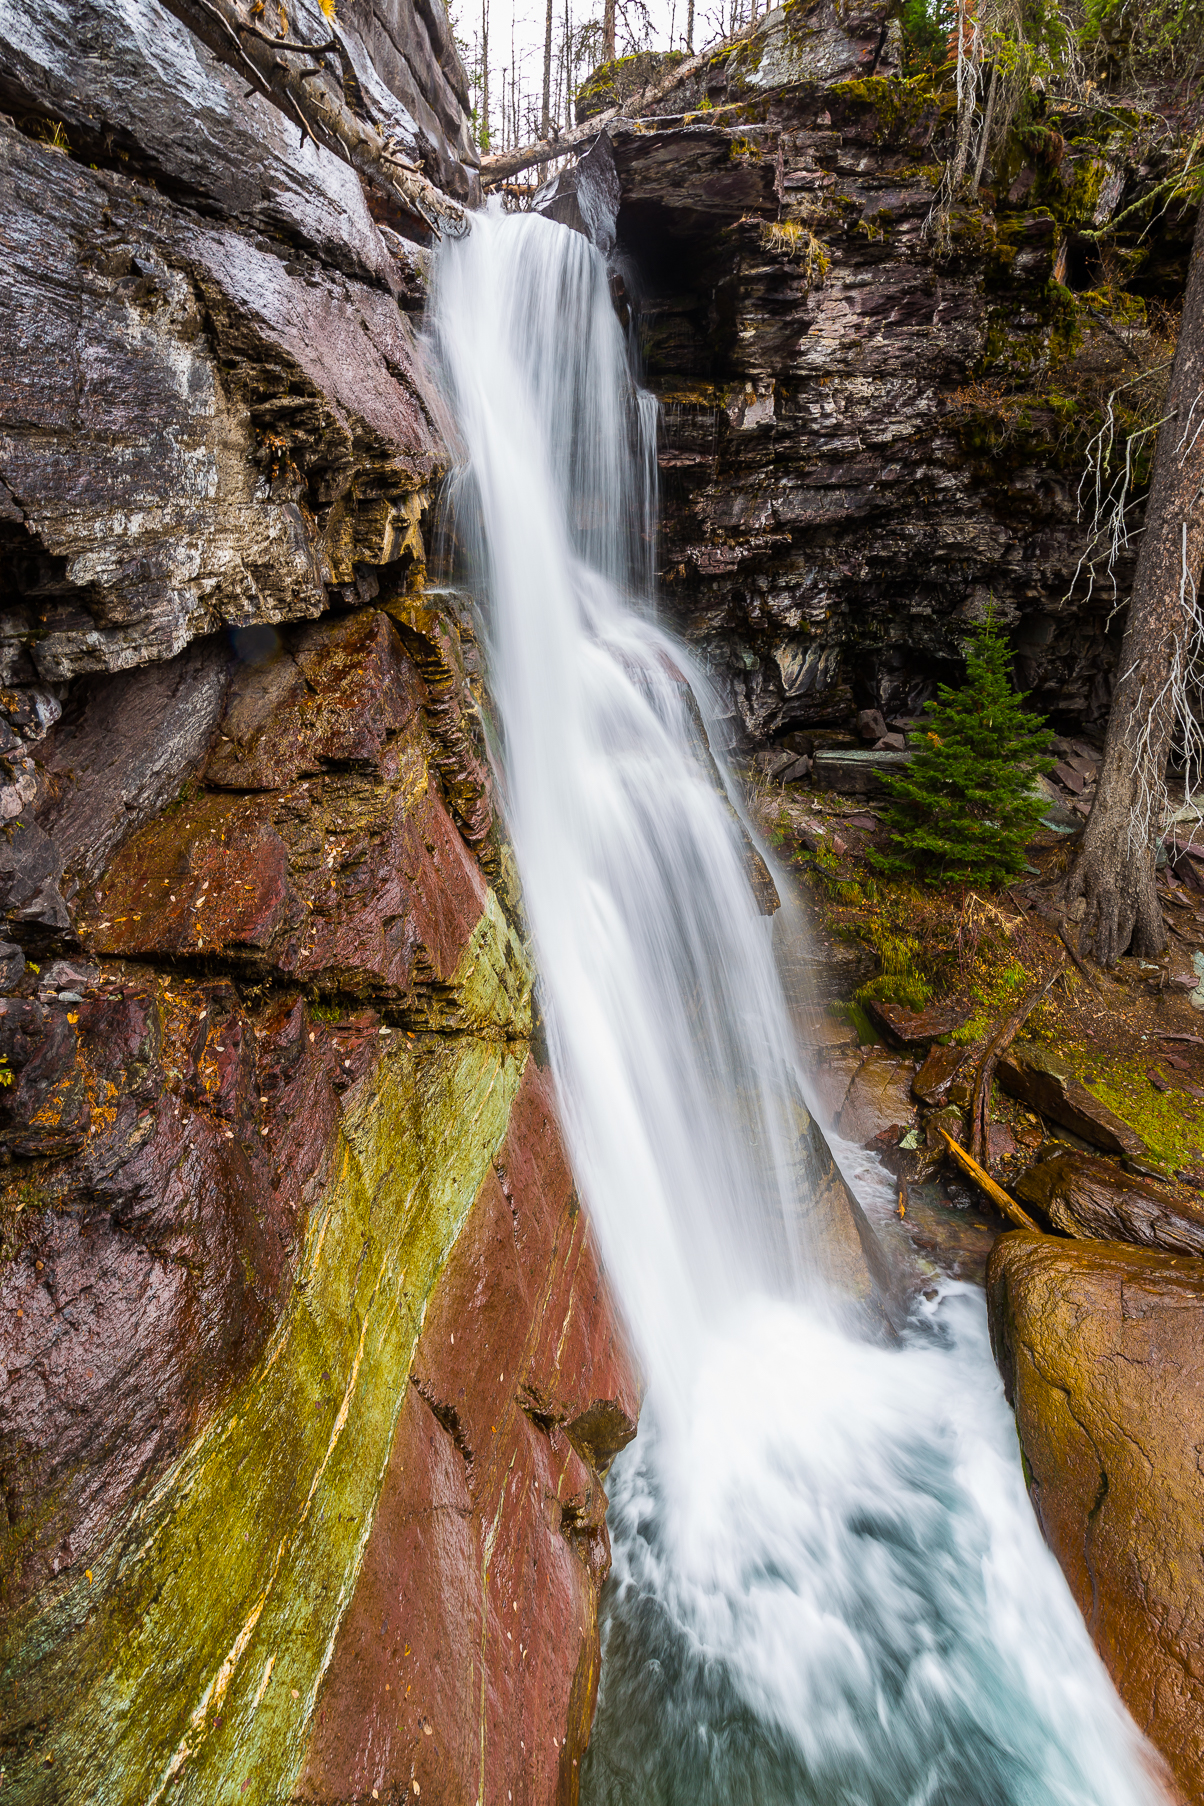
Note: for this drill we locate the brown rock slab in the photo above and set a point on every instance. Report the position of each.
(1101, 1347)
(855, 773)
(1045, 1082)
(913, 1028)
(337, 698)
(822, 1033)
(337, 844)
(1087, 1197)
(940, 1070)
(831, 1077)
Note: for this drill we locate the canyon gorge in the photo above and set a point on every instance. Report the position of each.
(317, 1356)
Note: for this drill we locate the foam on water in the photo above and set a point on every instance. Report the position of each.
(828, 1582)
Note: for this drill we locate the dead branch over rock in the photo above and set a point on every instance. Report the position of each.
(503, 164)
(998, 1044)
(297, 77)
(986, 1184)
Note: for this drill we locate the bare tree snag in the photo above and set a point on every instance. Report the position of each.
(484, 133)
(296, 77)
(608, 31)
(545, 125)
(1110, 888)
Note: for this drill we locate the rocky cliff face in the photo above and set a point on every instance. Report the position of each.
(870, 435)
(309, 1375)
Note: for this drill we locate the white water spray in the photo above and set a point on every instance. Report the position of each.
(829, 1586)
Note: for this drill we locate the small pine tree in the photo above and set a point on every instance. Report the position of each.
(964, 807)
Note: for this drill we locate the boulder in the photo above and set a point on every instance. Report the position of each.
(1101, 1347)
(878, 1098)
(1088, 1197)
(1045, 1082)
(941, 1073)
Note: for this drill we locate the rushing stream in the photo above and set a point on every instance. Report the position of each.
(828, 1582)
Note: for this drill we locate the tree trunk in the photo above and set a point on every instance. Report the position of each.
(690, 28)
(545, 124)
(1111, 885)
(484, 131)
(608, 32)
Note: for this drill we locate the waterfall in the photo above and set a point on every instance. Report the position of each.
(828, 1582)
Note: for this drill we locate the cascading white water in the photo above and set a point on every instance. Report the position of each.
(828, 1584)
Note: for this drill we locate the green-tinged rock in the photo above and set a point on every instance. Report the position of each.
(191, 1656)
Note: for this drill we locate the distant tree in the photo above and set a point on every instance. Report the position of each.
(964, 808)
(545, 118)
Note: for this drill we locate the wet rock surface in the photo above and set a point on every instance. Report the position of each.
(212, 408)
(1046, 1082)
(1100, 1349)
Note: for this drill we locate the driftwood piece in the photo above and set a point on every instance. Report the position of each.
(998, 1044)
(1085, 1196)
(986, 1184)
(295, 76)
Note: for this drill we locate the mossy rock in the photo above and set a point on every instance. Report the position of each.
(613, 83)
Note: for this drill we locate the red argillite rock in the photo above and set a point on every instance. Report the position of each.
(311, 1379)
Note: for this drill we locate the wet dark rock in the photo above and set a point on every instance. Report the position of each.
(1088, 1197)
(840, 500)
(855, 773)
(585, 196)
(123, 749)
(914, 1028)
(940, 1071)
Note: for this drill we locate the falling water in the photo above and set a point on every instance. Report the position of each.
(828, 1583)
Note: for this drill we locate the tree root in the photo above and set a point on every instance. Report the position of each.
(1113, 876)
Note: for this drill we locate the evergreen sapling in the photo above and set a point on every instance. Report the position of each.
(964, 809)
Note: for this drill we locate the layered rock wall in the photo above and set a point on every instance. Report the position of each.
(872, 432)
(310, 1379)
